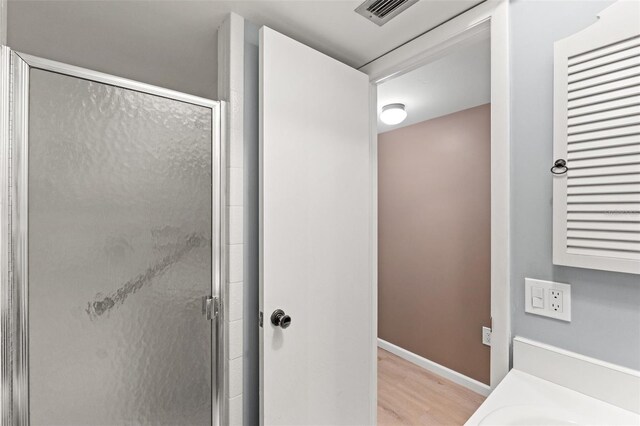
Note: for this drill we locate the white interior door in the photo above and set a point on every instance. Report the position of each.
(316, 238)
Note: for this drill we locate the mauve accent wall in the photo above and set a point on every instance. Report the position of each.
(434, 236)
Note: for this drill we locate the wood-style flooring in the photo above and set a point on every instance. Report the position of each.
(410, 395)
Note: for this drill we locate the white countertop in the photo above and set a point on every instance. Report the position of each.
(523, 399)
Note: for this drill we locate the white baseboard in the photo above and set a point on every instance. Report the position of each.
(436, 368)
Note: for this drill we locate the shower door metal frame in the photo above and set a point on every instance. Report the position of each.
(14, 166)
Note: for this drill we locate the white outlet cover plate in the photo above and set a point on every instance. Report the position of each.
(486, 336)
(546, 310)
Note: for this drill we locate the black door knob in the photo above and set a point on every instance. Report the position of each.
(280, 319)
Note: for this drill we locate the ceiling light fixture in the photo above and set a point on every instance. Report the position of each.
(393, 114)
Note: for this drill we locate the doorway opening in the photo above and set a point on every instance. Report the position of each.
(434, 238)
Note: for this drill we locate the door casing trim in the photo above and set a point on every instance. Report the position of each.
(490, 18)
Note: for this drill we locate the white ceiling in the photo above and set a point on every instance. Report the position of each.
(455, 82)
(173, 43)
(333, 27)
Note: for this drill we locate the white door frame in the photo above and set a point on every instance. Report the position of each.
(490, 18)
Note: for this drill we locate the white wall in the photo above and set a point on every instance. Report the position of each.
(605, 305)
(156, 42)
(3, 22)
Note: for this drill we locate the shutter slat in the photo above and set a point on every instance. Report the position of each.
(607, 216)
(626, 63)
(603, 79)
(608, 235)
(604, 60)
(617, 132)
(623, 188)
(604, 51)
(576, 208)
(632, 159)
(614, 170)
(610, 105)
(608, 245)
(604, 152)
(627, 92)
(603, 180)
(605, 115)
(613, 123)
(604, 226)
(605, 88)
(602, 253)
(603, 198)
(603, 143)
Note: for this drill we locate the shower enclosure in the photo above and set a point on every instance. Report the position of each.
(110, 249)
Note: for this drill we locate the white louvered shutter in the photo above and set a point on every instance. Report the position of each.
(596, 204)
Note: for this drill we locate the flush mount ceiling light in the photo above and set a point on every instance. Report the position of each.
(393, 114)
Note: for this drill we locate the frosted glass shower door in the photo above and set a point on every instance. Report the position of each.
(119, 242)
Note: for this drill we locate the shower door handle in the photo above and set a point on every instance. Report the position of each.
(280, 319)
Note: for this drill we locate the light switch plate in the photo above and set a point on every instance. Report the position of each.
(537, 297)
(556, 299)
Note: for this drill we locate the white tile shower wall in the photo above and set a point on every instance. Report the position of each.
(235, 260)
(235, 219)
(231, 89)
(234, 304)
(234, 184)
(234, 339)
(235, 411)
(235, 377)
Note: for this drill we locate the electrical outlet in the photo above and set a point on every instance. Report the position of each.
(486, 336)
(547, 298)
(555, 300)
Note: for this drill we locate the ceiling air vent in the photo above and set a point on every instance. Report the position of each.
(382, 11)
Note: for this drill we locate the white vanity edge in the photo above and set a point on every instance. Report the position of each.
(607, 382)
